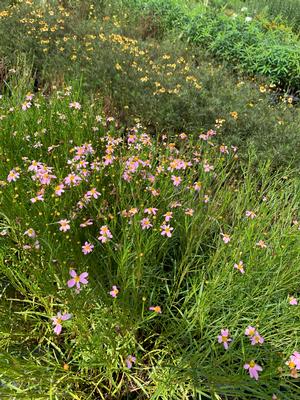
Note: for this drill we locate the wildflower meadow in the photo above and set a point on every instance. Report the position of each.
(139, 259)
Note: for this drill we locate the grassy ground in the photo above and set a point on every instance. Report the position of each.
(177, 241)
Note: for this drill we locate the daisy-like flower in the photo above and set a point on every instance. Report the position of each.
(114, 291)
(253, 369)
(75, 105)
(261, 244)
(105, 234)
(129, 361)
(77, 280)
(30, 233)
(189, 211)
(93, 193)
(168, 216)
(224, 338)
(87, 248)
(64, 225)
(59, 189)
(86, 223)
(226, 238)
(58, 320)
(151, 211)
(256, 339)
(294, 364)
(293, 301)
(197, 186)
(156, 309)
(166, 230)
(250, 331)
(13, 176)
(176, 180)
(240, 267)
(250, 214)
(145, 223)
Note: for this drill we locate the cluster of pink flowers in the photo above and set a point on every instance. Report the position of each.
(105, 234)
(253, 334)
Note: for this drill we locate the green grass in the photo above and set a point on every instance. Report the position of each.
(190, 275)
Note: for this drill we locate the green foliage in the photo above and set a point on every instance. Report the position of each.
(256, 46)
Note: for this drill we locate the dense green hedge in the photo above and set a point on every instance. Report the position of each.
(255, 46)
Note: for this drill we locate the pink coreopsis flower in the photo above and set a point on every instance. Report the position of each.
(93, 193)
(293, 301)
(207, 167)
(206, 198)
(129, 361)
(64, 225)
(261, 244)
(105, 234)
(168, 216)
(166, 230)
(240, 267)
(72, 179)
(58, 320)
(151, 211)
(114, 291)
(87, 248)
(224, 338)
(75, 105)
(256, 339)
(145, 223)
(226, 238)
(86, 223)
(13, 176)
(30, 233)
(250, 214)
(197, 186)
(176, 180)
(294, 361)
(156, 309)
(59, 189)
(77, 279)
(253, 369)
(189, 211)
(250, 331)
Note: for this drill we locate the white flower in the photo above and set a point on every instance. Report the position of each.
(248, 19)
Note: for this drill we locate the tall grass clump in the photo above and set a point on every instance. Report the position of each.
(138, 266)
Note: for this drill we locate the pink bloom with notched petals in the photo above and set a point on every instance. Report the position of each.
(293, 301)
(151, 211)
(105, 234)
(166, 230)
(226, 238)
(59, 189)
(176, 180)
(87, 248)
(256, 339)
(224, 338)
(129, 361)
(114, 291)
(30, 233)
(13, 176)
(253, 369)
(64, 225)
(240, 267)
(250, 214)
(77, 280)
(92, 193)
(168, 216)
(145, 223)
(58, 320)
(156, 309)
(250, 331)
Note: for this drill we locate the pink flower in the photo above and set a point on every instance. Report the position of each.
(176, 180)
(253, 369)
(72, 179)
(13, 176)
(168, 216)
(240, 267)
(293, 301)
(57, 321)
(151, 211)
(166, 230)
(197, 186)
(30, 233)
(59, 189)
(145, 223)
(250, 331)
(114, 291)
(250, 214)
(256, 339)
(226, 238)
(77, 279)
(105, 234)
(87, 248)
(86, 223)
(294, 361)
(156, 309)
(92, 193)
(207, 167)
(261, 244)
(224, 339)
(64, 225)
(130, 360)
(75, 105)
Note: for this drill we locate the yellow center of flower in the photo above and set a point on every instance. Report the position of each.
(76, 279)
(224, 339)
(252, 364)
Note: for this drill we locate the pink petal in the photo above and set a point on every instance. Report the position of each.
(73, 273)
(57, 329)
(65, 317)
(82, 278)
(71, 283)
